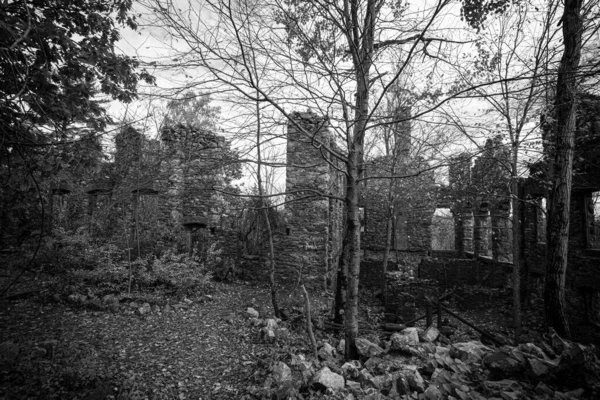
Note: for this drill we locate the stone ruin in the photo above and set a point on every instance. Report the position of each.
(308, 240)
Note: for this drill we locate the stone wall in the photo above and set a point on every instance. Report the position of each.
(306, 250)
(455, 272)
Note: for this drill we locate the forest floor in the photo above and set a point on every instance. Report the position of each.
(205, 350)
(204, 347)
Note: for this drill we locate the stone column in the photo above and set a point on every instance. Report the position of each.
(501, 232)
(463, 230)
(480, 233)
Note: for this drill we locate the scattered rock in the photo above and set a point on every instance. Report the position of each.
(383, 383)
(543, 389)
(155, 309)
(572, 394)
(353, 385)
(530, 348)
(384, 365)
(282, 333)
(430, 335)
(325, 379)
(281, 373)
(496, 388)
(252, 313)
(364, 376)
(188, 301)
(351, 369)
(341, 347)
(433, 393)
(447, 331)
(110, 299)
(400, 340)
(366, 348)
(502, 365)
(144, 309)
(133, 304)
(540, 368)
(415, 381)
(271, 324)
(77, 298)
(167, 309)
(326, 351)
(256, 321)
(267, 335)
(469, 352)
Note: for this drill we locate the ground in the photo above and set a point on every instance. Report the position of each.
(206, 351)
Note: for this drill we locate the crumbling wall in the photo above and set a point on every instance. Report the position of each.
(305, 250)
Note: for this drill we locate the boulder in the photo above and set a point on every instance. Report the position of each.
(400, 340)
(144, 309)
(281, 373)
(271, 324)
(383, 383)
(252, 313)
(325, 379)
(351, 369)
(530, 348)
(502, 365)
(353, 385)
(415, 381)
(341, 347)
(155, 309)
(364, 376)
(433, 393)
(540, 368)
(366, 348)
(167, 309)
(267, 335)
(326, 351)
(430, 334)
(469, 352)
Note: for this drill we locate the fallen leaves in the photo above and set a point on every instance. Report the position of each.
(195, 352)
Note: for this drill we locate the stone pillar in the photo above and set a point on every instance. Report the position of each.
(304, 247)
(501, 232)
(480, 231)
(463, 230)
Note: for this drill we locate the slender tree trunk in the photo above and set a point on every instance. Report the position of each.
(353, 243)
(265, 210)
(341, 285)
(516, 226)
(386, 252)
(362, 60)
(561, 166)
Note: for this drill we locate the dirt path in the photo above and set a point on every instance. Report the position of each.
(204, 352)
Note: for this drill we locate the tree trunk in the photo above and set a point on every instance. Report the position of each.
(560, 168)
(353, 243)
(386, 252)
(516, 241)
(341, 281)
(265, 210)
